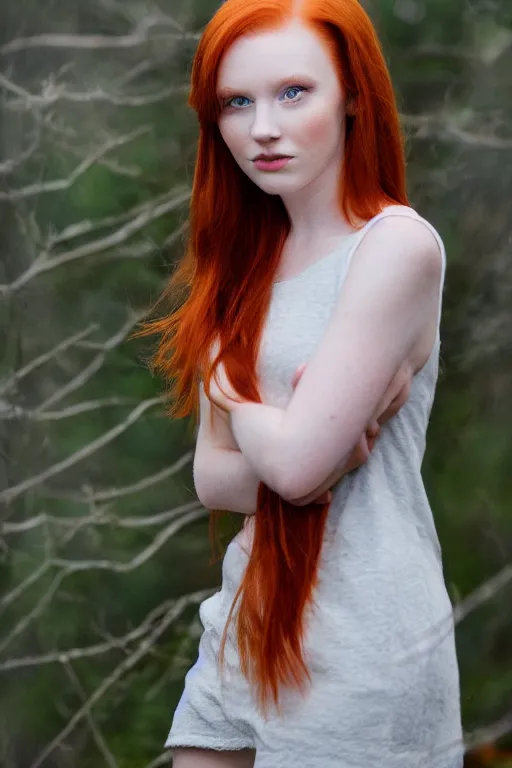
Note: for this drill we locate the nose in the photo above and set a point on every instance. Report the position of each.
(264, 126)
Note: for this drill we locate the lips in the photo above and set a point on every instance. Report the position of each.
(268, 158)
(272, 162)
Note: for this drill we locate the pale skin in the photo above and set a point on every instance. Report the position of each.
(281, 93)
(379, 324)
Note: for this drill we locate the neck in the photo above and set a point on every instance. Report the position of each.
(314, 210)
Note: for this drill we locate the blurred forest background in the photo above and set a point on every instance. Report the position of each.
(104, 553)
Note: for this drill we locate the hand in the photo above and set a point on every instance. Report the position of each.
(222, 393)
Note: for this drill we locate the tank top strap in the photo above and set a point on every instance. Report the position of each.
(409, 213)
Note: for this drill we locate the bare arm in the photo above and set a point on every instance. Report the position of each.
(379, 323)
(223, 477)
(394, 398)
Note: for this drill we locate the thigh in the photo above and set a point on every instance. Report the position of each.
(188, 757)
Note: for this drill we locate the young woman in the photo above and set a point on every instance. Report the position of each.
(331, 641)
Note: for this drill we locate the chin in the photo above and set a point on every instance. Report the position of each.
(276, 184)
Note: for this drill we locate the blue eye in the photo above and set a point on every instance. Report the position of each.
(232, 102)
(295, 90)
(289, 94)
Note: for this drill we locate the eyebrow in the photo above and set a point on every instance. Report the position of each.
(288, 80)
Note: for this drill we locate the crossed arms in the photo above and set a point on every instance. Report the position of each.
(384, 322)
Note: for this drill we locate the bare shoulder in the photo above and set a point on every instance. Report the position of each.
(394, 282)
(401, 245)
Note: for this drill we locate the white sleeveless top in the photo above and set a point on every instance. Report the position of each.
(380, 641)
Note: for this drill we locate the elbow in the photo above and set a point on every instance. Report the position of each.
(301, 480)
(297, 469)
(202, 483)
(203, 500)
(279, 480)
(292, 486)
(202, 495)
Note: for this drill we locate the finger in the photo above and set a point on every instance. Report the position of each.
(403, 395)
(401, 398)
(398, 402)
(363, 449)
(373, 429)
(396, 394)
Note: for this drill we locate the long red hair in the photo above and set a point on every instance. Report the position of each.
(223, 286)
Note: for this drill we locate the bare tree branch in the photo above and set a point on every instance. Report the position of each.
(101, 518)
(31, 597)
(92, 42)
(113, 165)
(8, 85)
(489, 734)
(44, 263)
(53, 93)
(22, 587)
(35, 576)
(141, 68)
(441, 629)
(35, 612)
(85, 227)
(66, 134)
(37, 573)
(88, 372)
(69, 567)
(9, 494)
(95, 497)
(75, 383)
(37, 362)
(482, 594)
(478, 738)
(164, 759)
(8, 166)
(148, 213)
(99, 649)
(141, 250)
(97, 735)
(75, 566)
(181, 658)
(125, 666)
(58, 185)
(437, 126)
(78, 409)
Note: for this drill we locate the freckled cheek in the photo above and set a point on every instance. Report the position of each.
(235, 138)
(319, 128)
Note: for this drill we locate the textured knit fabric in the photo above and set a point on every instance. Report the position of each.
(380, 641)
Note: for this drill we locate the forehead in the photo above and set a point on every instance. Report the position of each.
(268, 56)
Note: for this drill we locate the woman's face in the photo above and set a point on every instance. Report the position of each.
(280, 94)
